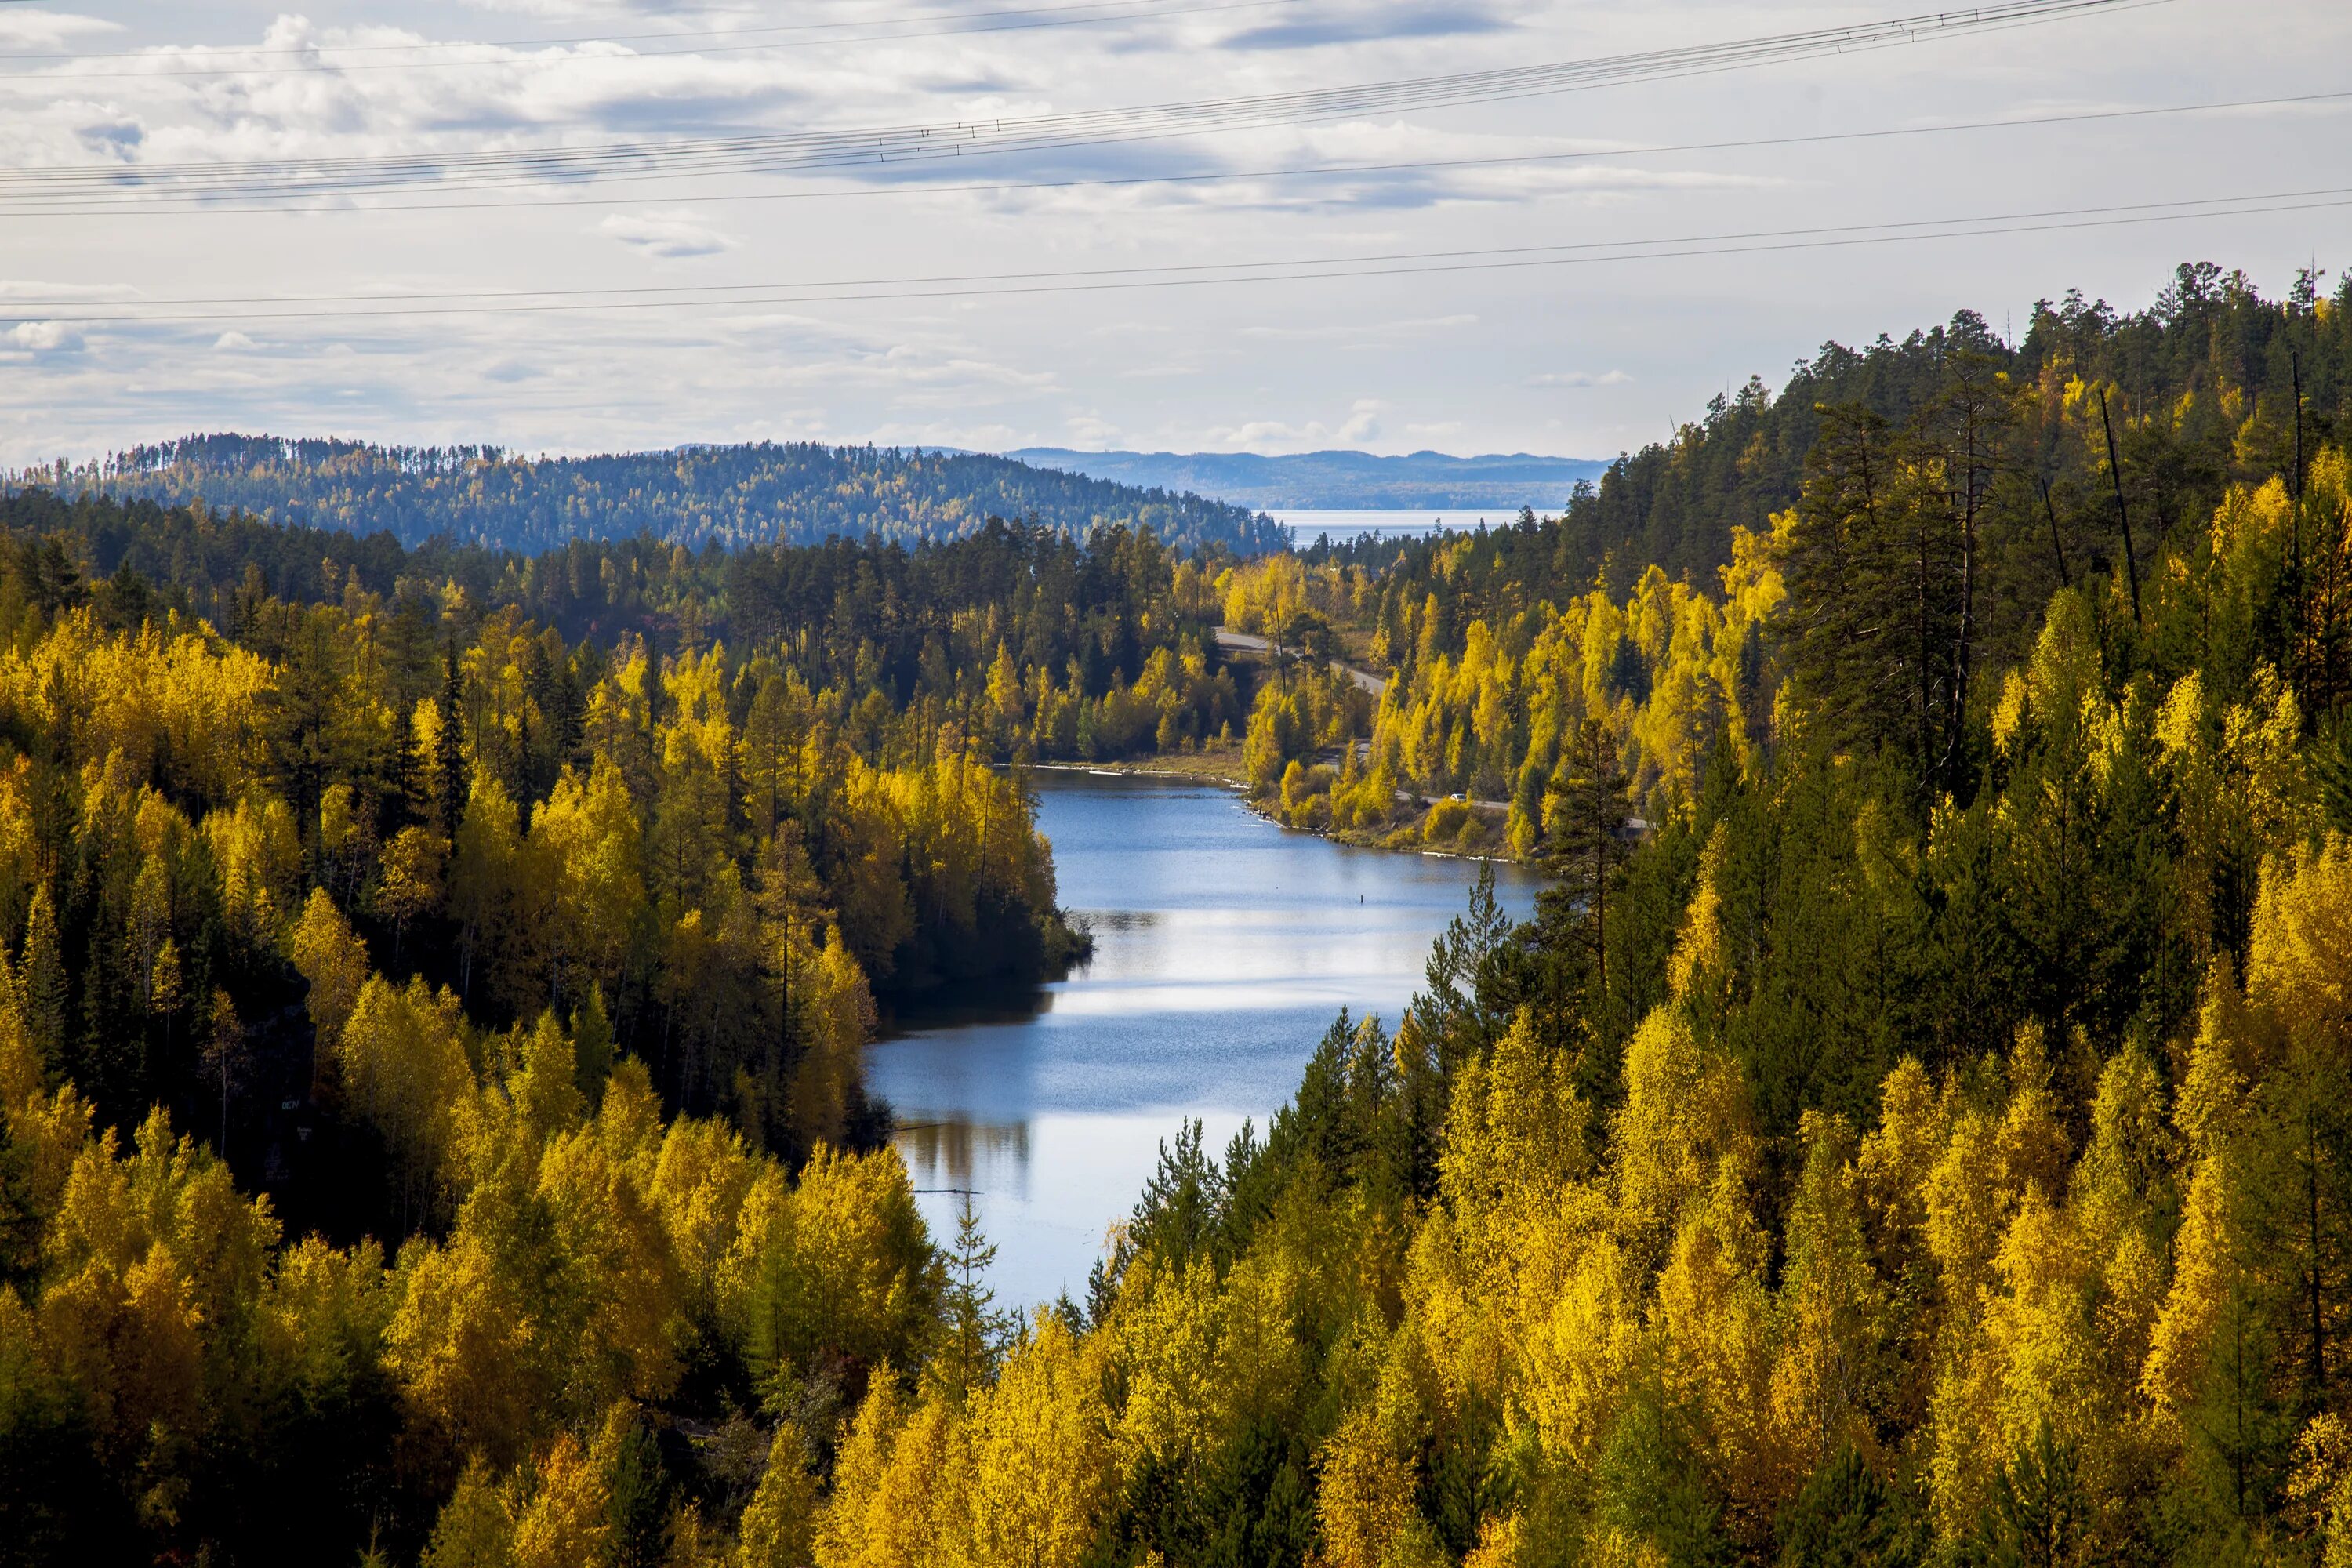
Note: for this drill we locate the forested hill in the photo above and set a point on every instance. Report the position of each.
(764, 493)
(2202, 383)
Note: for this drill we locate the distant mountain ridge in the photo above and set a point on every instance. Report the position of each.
(796, 493)
(1337, 480)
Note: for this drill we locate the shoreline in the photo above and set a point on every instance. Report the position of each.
(1356, 840)
(1221, 766)
(1225, 771)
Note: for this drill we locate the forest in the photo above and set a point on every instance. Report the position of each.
(309, 887)
(1658, 606)
(1912, 1130)
(794, 493)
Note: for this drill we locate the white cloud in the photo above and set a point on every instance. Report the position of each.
(1361, 428)
(1579, 378)
(1342, 330)
(1184, 368)
(33, 289)
(233, 342)
(670, 236)
(45, 337)
(32, 29)
(1363, 423)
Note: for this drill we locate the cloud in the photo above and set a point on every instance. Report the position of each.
(1361, 426)
(45, 337)
(1579, 378)
(1381, 166)
(1341, 331)
(33, 289)
(233, 342)
(1182, 368)
(946, 433)
(116, 139)
(30, 28)
(1367, 24)
(671, 235)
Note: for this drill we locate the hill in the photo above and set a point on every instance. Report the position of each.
(754, 494)
(1355, 480)
(2199, 384)
(429, 1122)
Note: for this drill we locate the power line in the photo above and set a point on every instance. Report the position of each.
(1044, 16)
(305, 51)
(1378, 256)
(1089, 280)
(785, 150)
(1509, 160)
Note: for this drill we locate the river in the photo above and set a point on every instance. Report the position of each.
(1224, 946)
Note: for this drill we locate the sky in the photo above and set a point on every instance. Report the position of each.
(1567, 353)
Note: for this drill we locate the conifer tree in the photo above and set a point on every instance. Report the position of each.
(1586, 812)
(975, 1329)
(449, 741)
(47, 997)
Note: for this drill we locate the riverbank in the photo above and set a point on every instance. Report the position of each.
(1472, 830)
(1212, 764)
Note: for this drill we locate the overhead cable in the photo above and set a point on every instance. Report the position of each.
(1214, 176)
(326, 58)
(369, 307)
(284, 178)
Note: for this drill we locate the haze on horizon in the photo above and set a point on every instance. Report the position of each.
(1577, 361)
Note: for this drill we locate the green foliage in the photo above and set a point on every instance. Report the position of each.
(1940, 1154)
(798, 493)
(1847, 1516)
(976, 1330)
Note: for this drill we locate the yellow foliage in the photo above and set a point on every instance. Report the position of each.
(476, 1526)
(1830, 1366)
(778, 1528)
(168, 695)
(1365, 1502)
(622, 1271)
(848, 1261)
(331, 956)
(2205, 1272)
(566, 1519)
(1042, 1472)
(886, 1510)
(464, 1345)
(404, 1073)
(2299, 959)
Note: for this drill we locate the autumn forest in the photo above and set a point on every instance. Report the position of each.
(1912, 1128)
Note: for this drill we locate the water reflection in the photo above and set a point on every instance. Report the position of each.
(1224, 947)
(951, 1154)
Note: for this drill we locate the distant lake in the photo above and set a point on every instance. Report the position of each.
(1343, 525)
(1224, 947)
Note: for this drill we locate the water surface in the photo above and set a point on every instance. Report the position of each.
(1224, 946)
(1305, 526)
